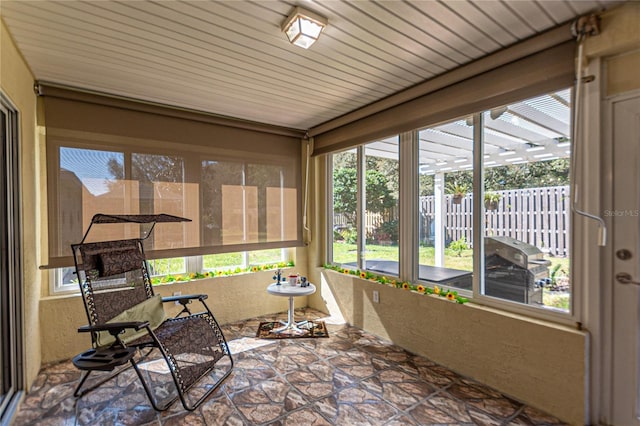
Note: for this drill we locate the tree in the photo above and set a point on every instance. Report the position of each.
(516, 176)
(345, 192)
(426, 184)
(528, 175)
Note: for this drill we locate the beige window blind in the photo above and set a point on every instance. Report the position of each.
(539, 65)
(239, 182)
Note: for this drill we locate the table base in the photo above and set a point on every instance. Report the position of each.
(290, 327)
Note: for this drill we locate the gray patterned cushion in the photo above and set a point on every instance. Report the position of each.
(119, 262)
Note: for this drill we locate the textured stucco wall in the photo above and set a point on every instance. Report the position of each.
(619, 45)
(539, 363)
(230, 299)
(622, 72)
(16, 82)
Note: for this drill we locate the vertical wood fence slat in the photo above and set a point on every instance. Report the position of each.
(537, 216)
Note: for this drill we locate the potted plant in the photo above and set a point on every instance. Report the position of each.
(458, 190)
(491, 200)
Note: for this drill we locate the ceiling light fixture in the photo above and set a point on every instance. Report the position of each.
(303, 27)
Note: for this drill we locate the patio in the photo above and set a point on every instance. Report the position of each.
(351, 378)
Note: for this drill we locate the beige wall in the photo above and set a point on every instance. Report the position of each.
(16, 82)
(230, 299)
(622, 73)
(535, 362)
(619, 47)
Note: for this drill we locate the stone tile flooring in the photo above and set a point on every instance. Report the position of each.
(350, 378)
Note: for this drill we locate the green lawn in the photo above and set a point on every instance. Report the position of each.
(216, 261)
(344, 253)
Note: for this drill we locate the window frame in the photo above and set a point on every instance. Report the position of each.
(192, 157)
(192, 264)
(409, 191)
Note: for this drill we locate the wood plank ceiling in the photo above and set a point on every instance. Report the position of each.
(231, 58)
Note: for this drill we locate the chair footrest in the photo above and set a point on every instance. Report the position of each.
(103, 359)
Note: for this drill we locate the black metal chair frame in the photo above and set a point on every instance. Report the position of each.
(107, 358)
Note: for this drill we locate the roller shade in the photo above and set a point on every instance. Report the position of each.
(239, 182)
(545, 70)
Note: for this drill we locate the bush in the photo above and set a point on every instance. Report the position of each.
(459, 245)
(349, 235)
(387, 231)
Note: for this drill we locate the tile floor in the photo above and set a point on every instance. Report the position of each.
(350, 378)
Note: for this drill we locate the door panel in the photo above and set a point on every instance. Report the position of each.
(625, 220)
(11, 361)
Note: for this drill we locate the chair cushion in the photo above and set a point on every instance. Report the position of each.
(150, 310)
(118, 262)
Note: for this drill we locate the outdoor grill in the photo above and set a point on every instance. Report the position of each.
(514, 270)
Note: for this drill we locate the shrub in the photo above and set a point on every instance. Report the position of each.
(459, 245)
(387, 231)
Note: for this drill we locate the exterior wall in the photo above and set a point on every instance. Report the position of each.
(230, 299)
(539, 363)
(618, 45)
(16, 82)
(613, 58)
(622, 75)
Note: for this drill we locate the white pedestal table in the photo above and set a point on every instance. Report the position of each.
(283, 290)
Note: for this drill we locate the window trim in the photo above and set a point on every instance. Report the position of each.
(192, 154)
(408, 265)
(192, 264)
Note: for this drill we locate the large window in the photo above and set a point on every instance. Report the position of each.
(345, 207)
(381, 206)
(247, 210)
(239, 183)
(11, 283)
(368, 224)
(445, 204)
(516, 205)
(230, 203)
(526, 201)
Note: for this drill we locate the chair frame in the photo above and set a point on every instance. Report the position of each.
(116, 328)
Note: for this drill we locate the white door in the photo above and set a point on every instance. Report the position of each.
(625, 221)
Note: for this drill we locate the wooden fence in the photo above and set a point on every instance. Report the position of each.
(538, 216)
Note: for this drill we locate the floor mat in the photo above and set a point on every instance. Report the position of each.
(311, 329)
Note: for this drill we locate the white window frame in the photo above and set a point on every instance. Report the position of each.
(408, 265)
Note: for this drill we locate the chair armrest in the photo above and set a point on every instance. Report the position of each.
(185, 297)
(113, 326)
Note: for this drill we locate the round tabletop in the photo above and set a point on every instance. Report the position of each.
(290, 291)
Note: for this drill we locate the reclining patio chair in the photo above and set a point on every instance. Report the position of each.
(127, 323)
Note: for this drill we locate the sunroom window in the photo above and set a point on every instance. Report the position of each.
(366, 228)
(516, 205)
(526, 201)
(445, 204)
(381, 206)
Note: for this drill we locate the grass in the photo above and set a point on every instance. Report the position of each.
(213, 262)
(174, 265)
(556, 300)
(345, 253)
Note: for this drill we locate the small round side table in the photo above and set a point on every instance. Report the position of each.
(291, 327)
